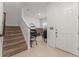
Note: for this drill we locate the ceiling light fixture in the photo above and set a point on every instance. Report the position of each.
(39, 14)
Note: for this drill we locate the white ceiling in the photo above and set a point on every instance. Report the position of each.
(34, 9)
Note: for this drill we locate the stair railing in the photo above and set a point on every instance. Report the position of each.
(4, 20)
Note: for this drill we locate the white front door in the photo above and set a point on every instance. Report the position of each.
(63, 17)
(67, 27)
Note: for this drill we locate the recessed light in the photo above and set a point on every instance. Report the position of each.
(39, 14)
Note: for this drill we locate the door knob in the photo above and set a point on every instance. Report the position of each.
(56, 33)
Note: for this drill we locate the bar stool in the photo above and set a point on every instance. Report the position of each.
(33, 35)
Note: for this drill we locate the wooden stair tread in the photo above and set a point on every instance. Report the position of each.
(13, 43)
(12, 50)
(14, 34)
(8, 54)
(15, 46)
(9, 39)
(12, 30)
(12, 27)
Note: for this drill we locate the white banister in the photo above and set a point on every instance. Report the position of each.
(25, 31)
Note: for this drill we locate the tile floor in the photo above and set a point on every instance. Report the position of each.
(41, 50)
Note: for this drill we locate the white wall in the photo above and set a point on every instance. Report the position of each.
(12, 10)
(1, 27)
(30, 11)
(78, 23)
(1, 46)
(35, 8)
(29, 19)
(1, 18)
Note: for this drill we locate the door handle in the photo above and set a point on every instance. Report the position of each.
(56, 33)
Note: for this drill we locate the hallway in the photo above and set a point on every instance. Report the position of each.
(56, 21)
(41, 50)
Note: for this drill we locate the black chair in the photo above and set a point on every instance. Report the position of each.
(33, 35)
(44, 35)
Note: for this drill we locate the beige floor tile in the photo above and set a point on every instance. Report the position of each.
(41, 50)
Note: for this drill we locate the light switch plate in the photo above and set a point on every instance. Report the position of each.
(51, 28)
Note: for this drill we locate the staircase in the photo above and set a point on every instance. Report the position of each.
(13, 42)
